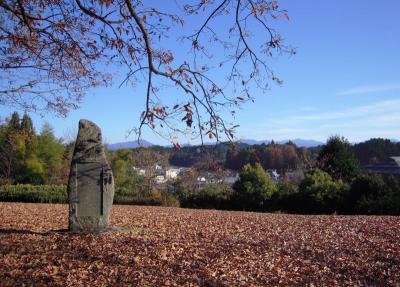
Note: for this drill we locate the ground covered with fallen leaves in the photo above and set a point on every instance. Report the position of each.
(183, 247)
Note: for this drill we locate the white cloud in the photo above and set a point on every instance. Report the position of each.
(386, 120)
(379, 119)
(370, 89)
(382, 107)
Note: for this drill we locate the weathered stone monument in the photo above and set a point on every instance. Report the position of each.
(91, 182)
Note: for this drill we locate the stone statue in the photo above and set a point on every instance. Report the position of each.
(91, 182)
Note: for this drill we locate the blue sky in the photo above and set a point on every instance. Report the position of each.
(345, 79)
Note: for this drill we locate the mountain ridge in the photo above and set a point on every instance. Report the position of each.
(129, 144)
(298, 142)
(143, 143)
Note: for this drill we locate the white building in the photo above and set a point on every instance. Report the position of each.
(139, 171)
(160, 179)
(172, 173)
(295, 175)
(231, 178)
(396, 159)
(274, 174)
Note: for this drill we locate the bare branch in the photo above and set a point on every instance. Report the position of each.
(64, 47)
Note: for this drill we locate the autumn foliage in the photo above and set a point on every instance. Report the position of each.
(181, 247)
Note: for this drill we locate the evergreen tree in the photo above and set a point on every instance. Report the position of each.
(12, 150)
(26, 157)
(50, 152)
(15, 122)
(27, 125)
(337, 159)
(28, 132)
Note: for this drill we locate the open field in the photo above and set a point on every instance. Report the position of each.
(183, 247)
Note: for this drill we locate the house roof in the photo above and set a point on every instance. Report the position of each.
(396, 159)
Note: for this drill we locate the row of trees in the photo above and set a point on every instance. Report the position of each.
(41, 158)
(30, 157)
(127, 181)
(272, 156)
(281, 157)
(318, 193)
(334, 184)
(376, 150)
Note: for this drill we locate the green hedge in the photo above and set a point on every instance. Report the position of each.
(163, 200)
(34, 193)
(209, 197)
(58, 194)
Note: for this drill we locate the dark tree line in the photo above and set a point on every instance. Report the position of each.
(376, 150)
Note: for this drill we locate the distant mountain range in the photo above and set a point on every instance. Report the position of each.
(130, 144)
(297, 142)
(144, 143)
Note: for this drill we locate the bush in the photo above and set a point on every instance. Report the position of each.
(285, 199)
(253, 189)
(155, 198)
(58, 194)
(132, 185)
(375, 194)
(209, 197)
(319, 193)
(34, 193)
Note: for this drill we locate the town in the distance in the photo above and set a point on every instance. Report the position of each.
(299, 176)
